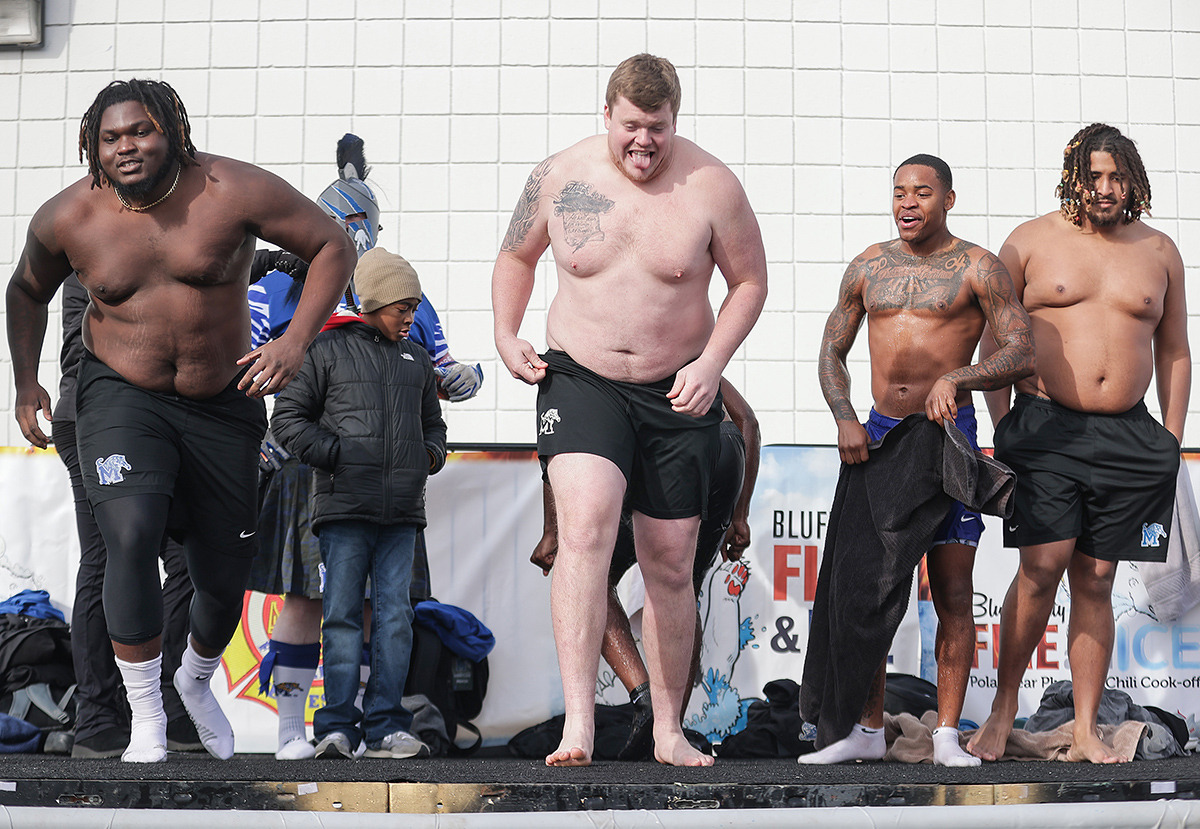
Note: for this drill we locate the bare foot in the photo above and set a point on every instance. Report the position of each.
(674, 750)
(989, 742)
(569, 755)
(1089, 749)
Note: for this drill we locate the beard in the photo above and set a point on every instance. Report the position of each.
(146, 186)
(1104, 219)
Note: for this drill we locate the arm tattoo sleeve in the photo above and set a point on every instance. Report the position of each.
(1010, 326)
(840, 331)
(526, 209)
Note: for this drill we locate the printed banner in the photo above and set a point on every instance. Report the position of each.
(485, 518)
(484, 521)
(39, 545)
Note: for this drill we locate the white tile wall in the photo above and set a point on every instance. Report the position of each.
(284, 42)
(138, 11)
(185, 45)
(1008, 14)
(811, 104)
(198, 11)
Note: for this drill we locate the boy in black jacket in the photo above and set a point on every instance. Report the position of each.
(364, 413)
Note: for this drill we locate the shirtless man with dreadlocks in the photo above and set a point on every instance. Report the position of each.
(1095, 472)
(169, 410)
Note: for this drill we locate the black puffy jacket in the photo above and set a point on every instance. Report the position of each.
(364, 413)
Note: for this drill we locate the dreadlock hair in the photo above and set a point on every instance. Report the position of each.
(1077, 171)
(166, 112)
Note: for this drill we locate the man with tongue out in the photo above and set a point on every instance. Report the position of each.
(637, 219)
(925, 297)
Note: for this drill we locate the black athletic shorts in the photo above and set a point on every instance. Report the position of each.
(203, 454)
(722, 498)
(667, 458)
(1106, 480)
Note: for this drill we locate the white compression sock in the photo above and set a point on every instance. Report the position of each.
(192, 683)
(291, 686)
(861, 744)
(948, 752)
(148, 731)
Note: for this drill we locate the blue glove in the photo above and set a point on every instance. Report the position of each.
(459, 381)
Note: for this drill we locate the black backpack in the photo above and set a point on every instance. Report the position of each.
(37, 680)
(454, 684)
(908, 694)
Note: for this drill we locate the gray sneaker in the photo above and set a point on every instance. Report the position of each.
(399, 746)
(334, 746)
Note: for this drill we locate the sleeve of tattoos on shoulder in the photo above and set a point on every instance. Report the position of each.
(525, 212)
(1009, 324)
(840, 331)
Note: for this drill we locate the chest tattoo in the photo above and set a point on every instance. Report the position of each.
(580, 207)
(897, 280)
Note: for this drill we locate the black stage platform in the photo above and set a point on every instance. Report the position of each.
(496, 782)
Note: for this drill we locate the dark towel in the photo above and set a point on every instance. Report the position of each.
(613, 725)
(884, 516)
(772, 725)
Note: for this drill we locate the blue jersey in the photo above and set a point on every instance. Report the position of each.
(271, 312)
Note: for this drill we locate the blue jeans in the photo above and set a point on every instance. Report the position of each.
(351, 550)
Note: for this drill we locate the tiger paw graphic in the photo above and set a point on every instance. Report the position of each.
(736, 577)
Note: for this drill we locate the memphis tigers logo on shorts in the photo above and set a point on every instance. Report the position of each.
(109, 469)
(1151, 533)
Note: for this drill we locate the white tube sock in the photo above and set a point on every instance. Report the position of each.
(948, 752)
(192, 683)
(291, 686)
(861, 744)
(148, 730)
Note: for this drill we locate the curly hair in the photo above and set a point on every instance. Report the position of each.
(1077, 171)
(166, 112)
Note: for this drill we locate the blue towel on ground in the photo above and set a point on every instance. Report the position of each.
(458, 629)
(33, 603)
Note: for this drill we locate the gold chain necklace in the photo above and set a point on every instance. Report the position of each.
(154, 203)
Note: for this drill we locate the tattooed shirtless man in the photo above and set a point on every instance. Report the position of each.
(628, 390)
(926, 297)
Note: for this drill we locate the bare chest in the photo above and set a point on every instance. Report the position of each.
(1125, 279)
(595, 230)
(117, 255)
(894, 284)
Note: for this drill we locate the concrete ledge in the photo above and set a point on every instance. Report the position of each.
(416, 798)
